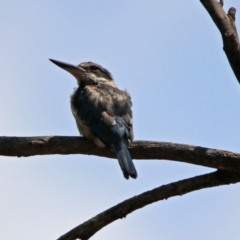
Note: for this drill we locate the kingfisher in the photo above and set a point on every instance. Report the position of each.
(102, 111)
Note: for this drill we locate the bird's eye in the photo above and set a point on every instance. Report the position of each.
(94, 68)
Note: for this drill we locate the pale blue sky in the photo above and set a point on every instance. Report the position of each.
(168, 55)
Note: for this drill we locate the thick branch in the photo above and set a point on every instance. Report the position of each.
(29, 146)
(226, 25)
(87, 229)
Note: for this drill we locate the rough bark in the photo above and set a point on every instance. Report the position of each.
(30, 146)
(85, 230)
(225, 22)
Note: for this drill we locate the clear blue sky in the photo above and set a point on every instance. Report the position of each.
(168, 55)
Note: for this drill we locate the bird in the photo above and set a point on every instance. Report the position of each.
(102, 111)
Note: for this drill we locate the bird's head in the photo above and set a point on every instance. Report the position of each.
(87, 72)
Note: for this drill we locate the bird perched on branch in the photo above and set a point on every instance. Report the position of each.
(102, 111)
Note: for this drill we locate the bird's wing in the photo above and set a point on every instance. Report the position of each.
(107, 102)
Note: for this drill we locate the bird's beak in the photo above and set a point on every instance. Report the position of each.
(75, 70)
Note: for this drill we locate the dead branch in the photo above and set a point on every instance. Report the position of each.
(29, 146)
(225, 22)
(87, 229)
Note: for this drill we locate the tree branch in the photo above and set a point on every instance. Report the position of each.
(226, 25)
(87, 229)
(29, 146)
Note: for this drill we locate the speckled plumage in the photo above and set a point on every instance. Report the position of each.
(102, 111)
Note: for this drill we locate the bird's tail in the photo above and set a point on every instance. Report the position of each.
(124, 159)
